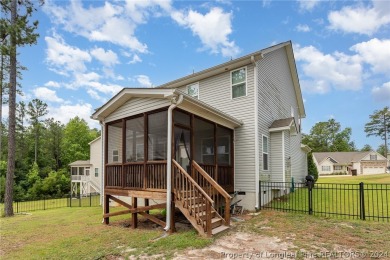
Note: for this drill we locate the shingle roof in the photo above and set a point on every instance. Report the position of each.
(341, 157)
(79, 163)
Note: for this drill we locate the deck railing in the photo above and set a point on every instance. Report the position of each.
(214, 190)
(192, 197)
(222, 174)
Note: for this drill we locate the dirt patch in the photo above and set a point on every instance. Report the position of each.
(240, 245)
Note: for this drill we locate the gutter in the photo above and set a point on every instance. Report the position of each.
(175, 102)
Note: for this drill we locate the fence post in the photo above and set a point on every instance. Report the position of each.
(310, 189)
(260, 195)
(80, 199)
(44, 203)
(17, 207)
(362, 206)
(70, 199)
(90, 200)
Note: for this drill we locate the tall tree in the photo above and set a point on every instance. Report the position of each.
(54, 135)
(366, 148)
(36, 109)
(379, 125)
(329, 137)
(16, 28)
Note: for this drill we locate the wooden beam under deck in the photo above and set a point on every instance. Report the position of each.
(135, 210)
(137, 193)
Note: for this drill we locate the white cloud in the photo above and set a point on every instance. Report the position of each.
(144, 81)
(382, 93)
(308, 5)
(52, 84)
(376, 53)
(109, 73)
(302, 28)
(65, 58)
(326, 71)
(135, 59)
(108, 58)
(93, 94)
(46, 94)
(213, 29)
(64, 113)
(360, 19)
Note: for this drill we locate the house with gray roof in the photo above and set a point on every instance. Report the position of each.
(336, 163)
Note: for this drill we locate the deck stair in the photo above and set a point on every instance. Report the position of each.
(198, 206)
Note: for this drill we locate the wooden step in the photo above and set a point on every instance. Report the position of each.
(215, 222)
(203, 215)
(219, 229)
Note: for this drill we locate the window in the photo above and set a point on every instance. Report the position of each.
(238, 80)
(325, 168)
(81, 170)
(96, 172)
(74, 170)
(373, 157)
(115, 156)
(265, 153)
(193, 90)
(157, 136)
(338, 168)
(224, 136)
(87, 171)
(204, 149)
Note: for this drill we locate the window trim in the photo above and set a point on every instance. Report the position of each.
(327, 167)
(96, 172)
(246, 82)
(194, 84)
(262, 151)
(113, 155)
(373, 157)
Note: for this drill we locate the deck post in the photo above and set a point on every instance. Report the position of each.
(173, 228)
(106, 208)
(146, 203)
(134, 216)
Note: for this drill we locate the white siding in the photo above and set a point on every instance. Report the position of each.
(276, 157)
(287, 156)
(96, 161)
(276, 100)
(136, 106)
(216, 91)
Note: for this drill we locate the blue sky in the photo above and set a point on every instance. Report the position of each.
(89, 50)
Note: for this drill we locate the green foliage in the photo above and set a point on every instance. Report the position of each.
(381, 150)
(329, 137)
(379, 125)
(311, 167)
(56, 184)
(366, 148)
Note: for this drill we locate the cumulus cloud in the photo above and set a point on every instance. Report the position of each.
(93, 94)
(135, 59)
(376, 53)
(64, 113)
(326, 71)
(360, 19)
(46, 94)
(302, 28)
(308, 5)
(144, 81)
(213, 29)
(108, 58)
(382, 93)
(52, 84)
(63, 57)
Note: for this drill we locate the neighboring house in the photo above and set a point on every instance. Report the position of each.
(347, 162)
(220, 130)
(86, 176)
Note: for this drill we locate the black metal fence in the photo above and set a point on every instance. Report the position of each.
(352, 201)
(92, 200)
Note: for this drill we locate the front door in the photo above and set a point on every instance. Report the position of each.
(183, 147)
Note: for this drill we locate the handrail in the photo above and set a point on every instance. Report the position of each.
(211, 180)
(193, 182)
(215, 187)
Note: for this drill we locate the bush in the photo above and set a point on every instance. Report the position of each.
(311, 167)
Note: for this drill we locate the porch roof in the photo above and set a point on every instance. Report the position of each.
(80, 163)
(189, 104)
(283, 124)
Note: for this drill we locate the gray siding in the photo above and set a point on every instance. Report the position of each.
(276, 97)
(276, 157)
(136, 106)
(216, 91)
(287, 156)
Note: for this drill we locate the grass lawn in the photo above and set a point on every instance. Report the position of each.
(77, 233)
(367, 179)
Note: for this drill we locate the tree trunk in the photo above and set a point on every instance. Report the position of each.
(385, 125)
(1, 105)
(9, 185)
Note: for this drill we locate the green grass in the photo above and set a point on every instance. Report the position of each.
(367, 179)
(78, 233)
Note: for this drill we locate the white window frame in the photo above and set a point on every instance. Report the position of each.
(96, 172)
(338, 168)
(265, 152)
(325, 168)
(194, 85)
(246, 82)
(115, 155)
(373, 157)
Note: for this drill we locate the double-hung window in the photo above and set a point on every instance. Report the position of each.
(193, 90)
(265, 153)
(238, 80)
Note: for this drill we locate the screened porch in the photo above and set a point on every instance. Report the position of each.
(136, 150)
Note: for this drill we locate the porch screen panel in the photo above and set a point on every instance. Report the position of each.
(157, 136)
(114, 151)
(224, 137)
(204, 142)
(135, 140)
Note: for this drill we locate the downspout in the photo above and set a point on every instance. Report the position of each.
(257, 148)
(102, 164)
(174, 104)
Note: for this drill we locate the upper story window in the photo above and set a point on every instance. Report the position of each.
(96, 172)
(115, 156)
(193, 90)
(238, 80)
(373, 157)
(265, 153)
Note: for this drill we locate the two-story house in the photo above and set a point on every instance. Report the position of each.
(193, 141)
